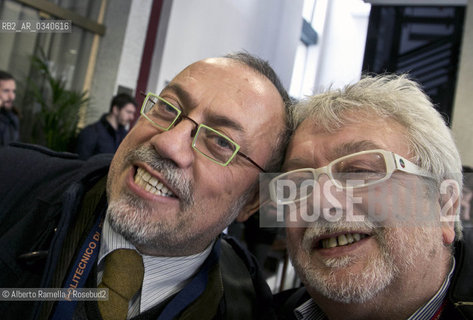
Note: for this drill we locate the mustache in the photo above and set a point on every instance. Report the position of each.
(181, 186)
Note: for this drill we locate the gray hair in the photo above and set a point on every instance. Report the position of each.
(398, 98)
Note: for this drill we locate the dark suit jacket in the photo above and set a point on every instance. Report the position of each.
(50, 200)
(9, 127)
(99, 137)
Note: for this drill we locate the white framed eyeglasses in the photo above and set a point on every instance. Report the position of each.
(356, 170)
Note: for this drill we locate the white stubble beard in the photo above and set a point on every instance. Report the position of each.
(133, 218)
(398, 251)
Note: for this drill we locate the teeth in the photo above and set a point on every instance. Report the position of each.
(145, 176)
(153, 181)
(331, 243)
(151, 184)
(350, 238)
(342, 240)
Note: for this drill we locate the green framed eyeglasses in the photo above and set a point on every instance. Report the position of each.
(207, 141)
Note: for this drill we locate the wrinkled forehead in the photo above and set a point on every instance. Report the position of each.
(219, 91)
(224, 85)
(331, 121)
(318, 141)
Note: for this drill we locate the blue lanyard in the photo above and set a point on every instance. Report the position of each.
(85, 261)
(79, 273)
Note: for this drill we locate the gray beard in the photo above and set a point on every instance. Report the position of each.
(134, 222)
(378, 273)
(133, 218)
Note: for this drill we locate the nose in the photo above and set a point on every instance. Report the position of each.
(332, 200)
(175, 144)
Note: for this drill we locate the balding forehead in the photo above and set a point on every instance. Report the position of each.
(217, 61)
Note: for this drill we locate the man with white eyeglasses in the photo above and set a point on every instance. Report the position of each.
(146, 228)
(370, 200)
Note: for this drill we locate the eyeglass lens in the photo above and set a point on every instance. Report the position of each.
(353, 171)
(359, 169)
(207, 140)
(160, 112)
(214, 145)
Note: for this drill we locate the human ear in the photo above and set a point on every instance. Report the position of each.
(449, 203)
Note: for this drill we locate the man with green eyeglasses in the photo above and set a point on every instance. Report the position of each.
(147, 228)
(370, 200)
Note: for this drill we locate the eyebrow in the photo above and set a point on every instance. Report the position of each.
(353, 147)
(223, 121)
(338, 152)
(180, 91)
(211, 119)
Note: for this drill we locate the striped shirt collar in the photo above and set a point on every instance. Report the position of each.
(310, 311)
(163, 277)
(428, 310)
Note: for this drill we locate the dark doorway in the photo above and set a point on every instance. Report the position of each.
(423, 41)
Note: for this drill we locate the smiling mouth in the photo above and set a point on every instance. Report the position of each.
(340, 240)
(151, 184)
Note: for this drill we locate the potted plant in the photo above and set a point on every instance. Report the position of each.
(56, 114)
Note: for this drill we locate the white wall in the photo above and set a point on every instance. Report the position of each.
(342, 44)
(133, 44)
(462, 121)
(199, 29)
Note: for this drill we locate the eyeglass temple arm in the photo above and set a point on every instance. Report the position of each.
(250, 160)
(410, 167)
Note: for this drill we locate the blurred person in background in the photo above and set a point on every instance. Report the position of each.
(9, 121)
(105, 135)
(466, 213)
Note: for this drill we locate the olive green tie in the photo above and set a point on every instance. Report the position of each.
(123, 276)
